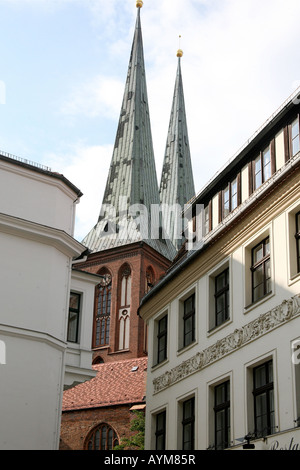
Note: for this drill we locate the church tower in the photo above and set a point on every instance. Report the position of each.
(126, 245)
(177, 183)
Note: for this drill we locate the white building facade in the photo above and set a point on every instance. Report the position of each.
(37, 215)
(224, 323)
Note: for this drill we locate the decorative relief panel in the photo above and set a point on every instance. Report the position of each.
(265, 323)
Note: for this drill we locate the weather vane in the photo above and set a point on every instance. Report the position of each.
(179, 52)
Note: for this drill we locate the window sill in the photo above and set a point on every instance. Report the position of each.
(160, 364)
(258, 302)
(215, 329)
(293, 279)
(186, 348)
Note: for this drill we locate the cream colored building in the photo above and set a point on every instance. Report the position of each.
(45, 340)
(224, 323)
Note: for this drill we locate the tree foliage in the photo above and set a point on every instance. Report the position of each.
(137, 440)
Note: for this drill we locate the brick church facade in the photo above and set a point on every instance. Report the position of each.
(121, 249)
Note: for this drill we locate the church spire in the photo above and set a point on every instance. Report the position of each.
(177, 183)
(132, 178)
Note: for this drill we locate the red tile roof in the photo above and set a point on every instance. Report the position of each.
(116, 383)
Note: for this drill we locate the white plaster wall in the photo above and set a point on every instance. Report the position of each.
(33, 196)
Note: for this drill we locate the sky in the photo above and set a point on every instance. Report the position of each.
(63, 66)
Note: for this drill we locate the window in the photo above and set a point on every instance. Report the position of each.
(149, 279)
(102, 437)
(263, 393)
(162, 336)
(206, 221)
(222, 297)
(296, 362)
(102, 314)
(297, 236)
(189, 321)
(219, 295)
(188, 424)
(124, 307)
(222, 415)
(230, 197)
(160, 433)
(73, 322)
(261, 270)
(262, 167)
(295, 137)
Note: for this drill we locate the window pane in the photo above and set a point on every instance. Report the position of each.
(234, 198)
(188, 436)
(258, 253)
(267, 164)
(258, 173)
(295, 137)
(74, 301)
(226, 202)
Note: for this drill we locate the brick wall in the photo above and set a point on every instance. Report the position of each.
(76, 425)
(139, 257)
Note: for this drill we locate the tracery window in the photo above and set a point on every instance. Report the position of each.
(103, 311)
(102, 437)
(124, 307)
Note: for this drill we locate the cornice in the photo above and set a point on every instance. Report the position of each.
(264, 324)
(41, 234)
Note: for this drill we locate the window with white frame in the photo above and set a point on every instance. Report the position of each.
(261, 270)
(160, 430)
(263, 396)
(295, 352)
(295, 143)
(160, 346)
(293, 236)
(262, 167)
(222, 415)
(230, 197)
(187, 319)
(187, 413)
(297, 237)
(258, 269)
(219, 296)
(261, 403)
(74, 317)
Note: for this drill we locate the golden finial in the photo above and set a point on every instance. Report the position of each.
(179, 52)
(139, 4)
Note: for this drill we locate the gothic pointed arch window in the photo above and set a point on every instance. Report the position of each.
(124, 307)
(149, 279)
(102, 437)
(102, 310)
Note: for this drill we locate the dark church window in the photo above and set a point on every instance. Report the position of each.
(103, 437)
(149, 281)
(103, 310)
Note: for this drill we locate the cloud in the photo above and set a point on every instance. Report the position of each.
(100, 96)
(87, 168)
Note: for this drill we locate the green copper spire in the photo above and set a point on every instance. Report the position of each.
(177, 183)
(132, 179)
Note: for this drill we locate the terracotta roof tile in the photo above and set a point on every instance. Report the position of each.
(116, 383)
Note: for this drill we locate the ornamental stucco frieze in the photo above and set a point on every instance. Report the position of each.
(265, 323)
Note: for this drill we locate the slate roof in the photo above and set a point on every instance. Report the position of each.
(116, 383)
(177, 182)
(132, 178)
